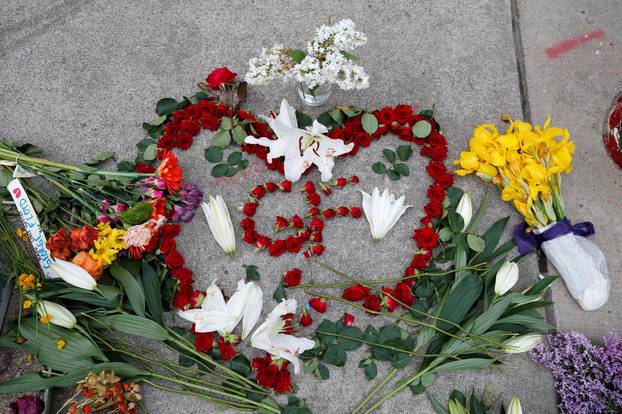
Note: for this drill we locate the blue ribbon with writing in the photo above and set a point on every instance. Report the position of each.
(527, 241)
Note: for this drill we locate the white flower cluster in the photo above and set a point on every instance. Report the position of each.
(328, 60)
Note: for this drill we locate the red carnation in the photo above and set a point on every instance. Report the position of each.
(249, 209)
(203, 341)
(283, 382)
(355, 293)
(445, 180)
(209, 122)
(292, 277)
(363, 138)
(258, 192)
(174, 260)
(166, 142)
(280, 223)
(348, 319)
(183, 274)
(250, 236)
(286, 186)
(309, 187)
(438, 153)
(293, 244)
(168, 245)
(277, 248)
(220, 76)
(314, 211)
(426, 238)
(197, 298)
(372, 304)
(318, 304)
(356, 212)
(404, 294)
(305, 319)
(183, 141)
(227, 351)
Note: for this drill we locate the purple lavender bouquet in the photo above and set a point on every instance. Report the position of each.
(588, 378)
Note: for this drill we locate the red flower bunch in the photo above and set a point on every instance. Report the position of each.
(273, 374)
(174, 260)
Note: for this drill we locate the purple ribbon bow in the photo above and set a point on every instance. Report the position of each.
(527, 241)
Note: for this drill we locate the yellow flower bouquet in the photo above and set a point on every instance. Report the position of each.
(526, 163)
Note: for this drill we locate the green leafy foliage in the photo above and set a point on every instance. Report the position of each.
(131, 287)
(397, 169)
(422, 129)
(136, 214)
(233, 165)
(252, 275)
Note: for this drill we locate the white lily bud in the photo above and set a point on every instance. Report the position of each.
(465, 209)
(506, 277)
(56, 314)
(382, 211)
(73, 274)
(523, 343)
(515, 407)
(219, 222)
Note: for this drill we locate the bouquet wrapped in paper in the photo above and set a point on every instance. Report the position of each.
(526, 163)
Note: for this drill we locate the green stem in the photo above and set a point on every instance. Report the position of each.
(374, 391)
(238, 406)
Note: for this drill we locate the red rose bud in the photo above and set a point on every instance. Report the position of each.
(250, 236)
(249, 209)
(262, 241)
(296, 222)
(305, 319)
(326, 189)
(294, 244)
(313, 199)
(286, 186)
(318, 304)
(355, 293)
(307, 254)
(316, 237)
(317, 249)
(258, 192)
(277, 248)
(292, 277)
(328, 213)
(247, 223)
(317, 224)
(219, 77)
(341, 182)
(314, 211)
(354, 179)
(271, 187)
(309, 187)
(280, 223)
(356, 212)
(372, 304)
(404, 294)
(342, 211)
(348, 319)
(303, 236)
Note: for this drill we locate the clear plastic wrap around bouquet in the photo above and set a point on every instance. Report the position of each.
(526, 163)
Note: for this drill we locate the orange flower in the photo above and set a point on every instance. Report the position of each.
(85, 261)
(170, 171)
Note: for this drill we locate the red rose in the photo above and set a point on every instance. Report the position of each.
(327, 190)
(420, 261)
(303, 236)
(354, 179)
(58, 244)
(250, 236)
(168, 245)
(166, 142)
(309, 187)
(305, 319)
(387, 298)
(436, 169)
(227, 351)
(328, 213)
(342, 211)
(247, 223)
(283, 382)
(209, 122)
(316, 237)
(293, 244)
(363, 138)
(314, 211)
(355, 293)
(341, 182)
(181, 300)
(318, 304)
(292, 277)
(433, 209)
(436, 139)
(277, 248)
(426, 238)
(436, 193)
(280, 223)
(174, 260)
(286, 186)
(445, 180)
(183, 141)
(313, 199)
(372, 304)
(203, 341)
(219, 77)
(266, 378)
(249, 209)
(183, 274)
(83, 238)
(404, 294)
(317, 249)
(170, 231)
(439, 153)
(258, 192)
(317, 224)
(405, 134)
(403, 113)
(348, 319)
(143, 167)
(356, 212)
(262, 241)
(271, 187)
(296, 222)
(386, 115)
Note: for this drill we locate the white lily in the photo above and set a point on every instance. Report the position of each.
(219, 222)
(272, 337)
(217, 315)
(300, 147)
(382, 211)
(73, 274)
(56, 314)
(515, 406)
(523, 343)
(465, 209)
(506, 278)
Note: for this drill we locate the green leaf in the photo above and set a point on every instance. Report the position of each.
(488, 318)
(427, 380)
(279, 293)
(251, 273)
(219, 170)
(468, 363)
(322, 372)
(130, 286)
(347, 343)
(379, 168)
(137, 214)
(303, 119)
(538, 324)
(221, 139)
(541, 285)
(297, 55)
(393, 175)
(422, 129)
(400, 360)
(460, 300)
(456, 222)
(326, 120)
(150, 153)
(476, 243)
(337, 115)
(213, 154)
(231, 171)
(389, 155)
(416, 388)
(445, 234)
(159, 120)
(402, 169)
(153, 294)
(239, 135)
(166, 106)
(436, 406)
(99, 158)
(491, 238)
(242, 165)
(241, 365)
(226, 123)
(135, 325)
(404, 152)
(352, 111)
(370, 370)
(335, 355)
(389, 333)
(369, 123)
(234, 158)
(349, 55)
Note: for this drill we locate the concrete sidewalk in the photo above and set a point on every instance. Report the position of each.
(79, 78)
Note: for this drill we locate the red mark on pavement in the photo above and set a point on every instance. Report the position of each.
(569, 44)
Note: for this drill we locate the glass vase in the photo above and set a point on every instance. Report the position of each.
(316, 96)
